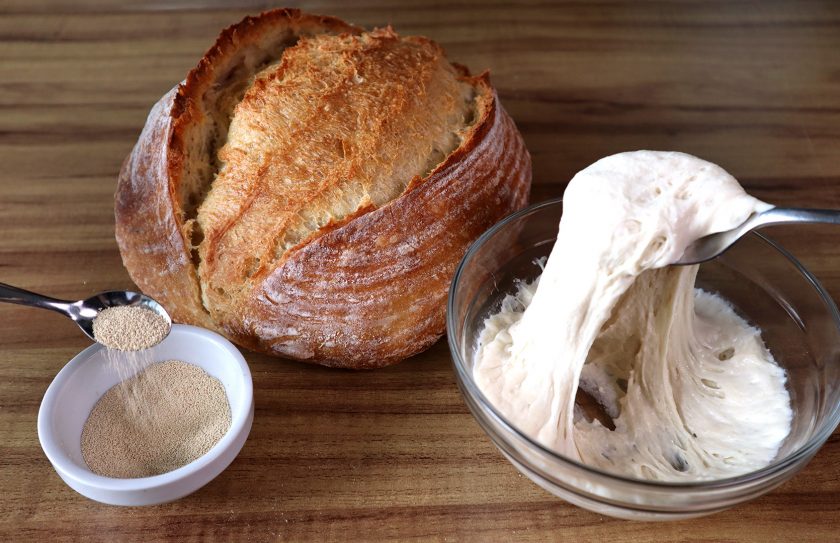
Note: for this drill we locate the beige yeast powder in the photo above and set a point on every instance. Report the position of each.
(159, 420)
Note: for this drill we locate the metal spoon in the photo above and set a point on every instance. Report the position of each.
(84, 312)
(709, 247)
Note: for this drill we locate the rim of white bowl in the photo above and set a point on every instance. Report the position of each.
(69, 468)
(809, 448)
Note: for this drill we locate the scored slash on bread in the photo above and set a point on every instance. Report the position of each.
(309, 189)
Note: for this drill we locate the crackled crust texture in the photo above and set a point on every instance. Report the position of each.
(152, 230)
(340, 126)
(363, 289)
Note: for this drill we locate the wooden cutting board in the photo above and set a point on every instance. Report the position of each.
(394, 454)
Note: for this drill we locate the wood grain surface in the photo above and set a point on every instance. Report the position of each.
(394, 454)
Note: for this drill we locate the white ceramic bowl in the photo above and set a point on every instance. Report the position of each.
(79, 385)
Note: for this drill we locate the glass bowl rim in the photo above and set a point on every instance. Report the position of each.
(468, 384)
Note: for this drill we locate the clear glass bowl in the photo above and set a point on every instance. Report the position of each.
(767, 286)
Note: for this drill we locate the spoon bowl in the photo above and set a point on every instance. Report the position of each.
(84, 312)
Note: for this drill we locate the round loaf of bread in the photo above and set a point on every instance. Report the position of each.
(310, 187)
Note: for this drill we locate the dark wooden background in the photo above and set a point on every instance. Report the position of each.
(394, 454)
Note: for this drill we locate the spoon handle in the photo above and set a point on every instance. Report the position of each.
(15, 295)
(782, 215)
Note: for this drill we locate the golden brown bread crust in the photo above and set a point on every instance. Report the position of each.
(148, 232)
(374, 291)
(363, 292)
(368, 114)
(154, 240)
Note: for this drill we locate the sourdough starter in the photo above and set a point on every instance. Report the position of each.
(692, 390)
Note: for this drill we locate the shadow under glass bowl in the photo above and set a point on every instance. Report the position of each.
(799, 322)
